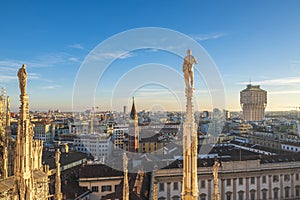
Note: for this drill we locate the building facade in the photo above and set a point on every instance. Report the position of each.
(253, 101)
(238, 180)
(43, 131)
(98, 145)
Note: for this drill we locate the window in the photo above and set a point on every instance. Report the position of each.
(241, 195)
(240, 181)
(264, 194)
(297, 190)
(264, 179)
(275, 193)
(275, 178)
(175, 185)
(252, 194)
(176, 198)
(287, 192)
(95, 188)
(106, 188)
(203, 197)
(228, 182)
(161, 187)
(286, 177)
(297, 177)
(252, 180)
(202, 184)
(85, 188)
(228, 195)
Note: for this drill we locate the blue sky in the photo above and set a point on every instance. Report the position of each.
(257, 40)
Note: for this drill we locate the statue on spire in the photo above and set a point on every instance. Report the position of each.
(187, 68)
(215, 170)
(22, 79)
(190, 190)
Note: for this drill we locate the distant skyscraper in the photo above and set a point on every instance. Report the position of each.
(253, 101)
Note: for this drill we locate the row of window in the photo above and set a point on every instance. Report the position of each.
(104, 188)
(240, 181)
(252, 180)
(162, 186)
(292, 148)
(241, 194)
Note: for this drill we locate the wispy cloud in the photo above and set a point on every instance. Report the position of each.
(209, 36)
(7, 78)
(295, 61)
(51, 87)
(76, 46)
(9, 67)
(295, 66)
(111, 55)
(285, 92)
(275, 82)
(73, 59)
(149, 92)
(12, 76)
(45, 60)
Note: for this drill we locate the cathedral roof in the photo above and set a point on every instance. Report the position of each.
(6, 184)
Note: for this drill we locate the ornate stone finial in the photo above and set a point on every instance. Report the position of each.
(57, 157)
(66, 148)
(22, 75)
(187, 68)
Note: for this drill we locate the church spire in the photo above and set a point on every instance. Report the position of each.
(58, 194)
(190, 189)
(28, 153)
(23, 188)
(4, 134)
(134, 130)
(133, 113)
(6, 171)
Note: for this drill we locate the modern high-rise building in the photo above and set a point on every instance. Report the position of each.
(253, 101)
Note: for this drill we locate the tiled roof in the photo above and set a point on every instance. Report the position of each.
(98, 170)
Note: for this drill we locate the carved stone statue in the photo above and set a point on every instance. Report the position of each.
(187, 68)
(57, 157)
(22, 78)
(215, 170)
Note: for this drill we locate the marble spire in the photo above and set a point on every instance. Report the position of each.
(190, 189)
(58, 193)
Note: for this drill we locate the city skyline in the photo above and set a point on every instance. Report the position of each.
(251, 41)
